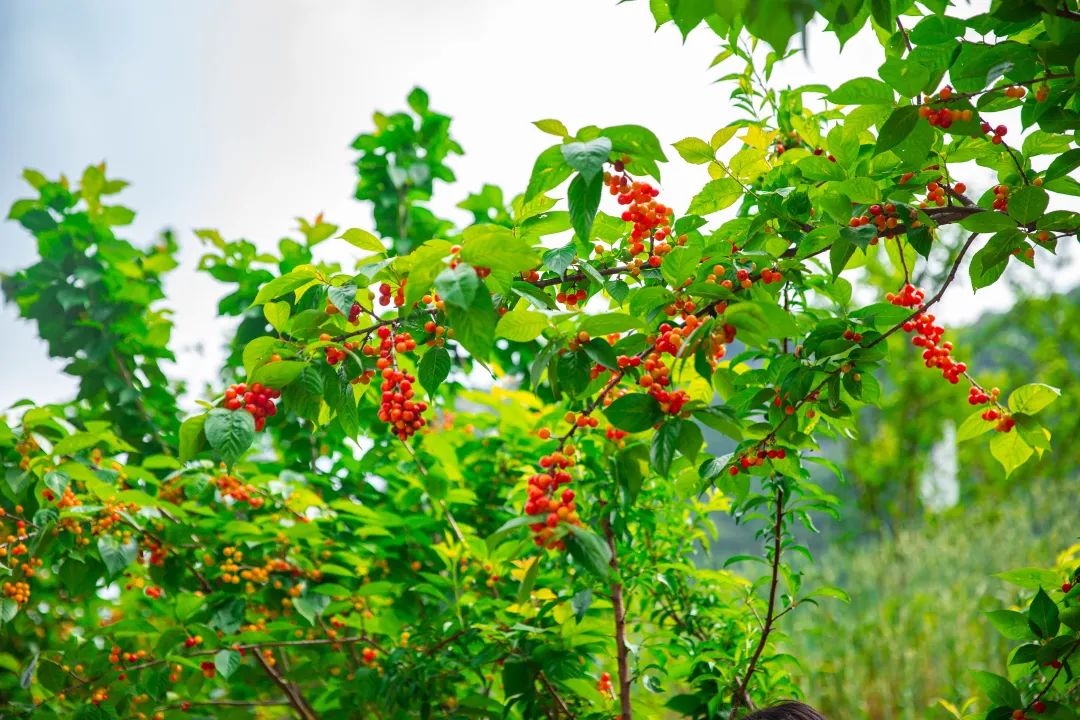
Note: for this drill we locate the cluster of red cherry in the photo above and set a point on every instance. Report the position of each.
(387, 294)
(1001, 198)
(936, 354)
(546, 502)
(936, 194)
(999, 132)
(398, 409)
(884, 217)
(944, 117)
(334, 355)
(650, 218)
(994, 413)
(257, 400)
(603, 685)
(354, 311)
(118, 657)
(571, 297)
(749, 460)
(231, 486)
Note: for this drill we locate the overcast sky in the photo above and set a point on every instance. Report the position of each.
(238, 115)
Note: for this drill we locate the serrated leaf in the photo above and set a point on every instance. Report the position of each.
(433, 369)
(715, 196)
(226, 662)
(696, 151)
(896, 129)
(587, 158)
(634, 412)
(363, 240)
(590, 550)
(458, 286)
(1033, 397)
(277, 314)
(230, 433)
(1027, 204)
(583, 199)
(521, 325)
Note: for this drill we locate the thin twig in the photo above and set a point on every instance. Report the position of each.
(770, 614)
(554, 694)
(619, 609)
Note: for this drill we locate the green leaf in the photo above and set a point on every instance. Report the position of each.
(277, 375)
(311, 606)
(1030, 578)
(1009, 449)
(363, 240)
(862, 91)
(557, 260)
(607, 323)
(680, 265)
(116, 555)
(988, 222)
(896, 129)
(230, 433)
(1028, 204)
(277, 314)
(1043, 614)
(1062, 165)
(433, 369)
(26, 677)
(696, 151)
(715, 196)
(573, 371)
(665, 442)
(342, 297)
(521, 325)
(549, 171)
(192, 437)
(589, 549)
(1070, 616)
(634, 412)
(474, 327)
(584, 199)
(1030, 399)
(973, 427)
(587, 158)
(457, 286)
(496, 247)
(1011, 624)
(57, 482)
(552, 127)
(998, 689)
(226, 662)
(286, 283)
(906, 75)
(936, 30)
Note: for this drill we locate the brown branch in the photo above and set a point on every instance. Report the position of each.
(770, 614)
(296, 699)
(619, 609)
(554, 694)
(1054, 677)
(579, 276)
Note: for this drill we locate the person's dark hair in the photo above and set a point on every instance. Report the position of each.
(786, 711)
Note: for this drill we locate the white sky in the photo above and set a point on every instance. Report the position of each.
(238, 115)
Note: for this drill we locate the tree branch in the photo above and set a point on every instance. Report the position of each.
(770, 614)
(291, 691)
(554, 694)
(619, 608)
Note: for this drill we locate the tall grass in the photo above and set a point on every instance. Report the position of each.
(914, 627)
